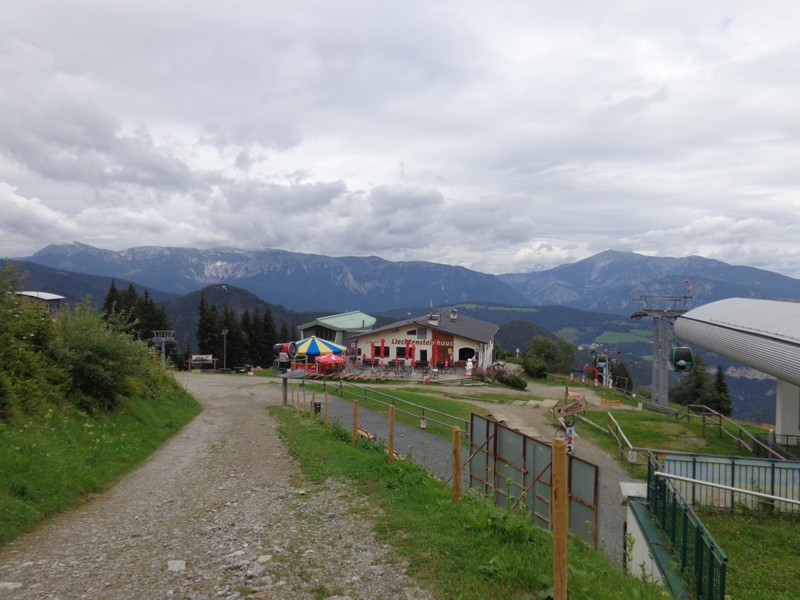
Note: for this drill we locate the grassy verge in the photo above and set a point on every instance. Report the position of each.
(50, 462)
(763, 553)
(646, 429)
(460, 551)
(377, 400)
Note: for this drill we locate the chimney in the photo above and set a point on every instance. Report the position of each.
(453, 314)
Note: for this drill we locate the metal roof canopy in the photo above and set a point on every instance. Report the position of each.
(762, 334)
(343, 321)
(448, 321)
(41, 295)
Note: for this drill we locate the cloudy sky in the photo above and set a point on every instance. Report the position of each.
(503, 136)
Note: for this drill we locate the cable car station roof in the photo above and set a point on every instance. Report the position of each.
(762, 334)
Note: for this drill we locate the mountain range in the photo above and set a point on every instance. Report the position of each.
(608, 282)
(586, 302)
(304, 282)
(611, 282)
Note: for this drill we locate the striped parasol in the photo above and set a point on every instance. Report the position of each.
(314, 346)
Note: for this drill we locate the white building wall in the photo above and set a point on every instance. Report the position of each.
(640, 562)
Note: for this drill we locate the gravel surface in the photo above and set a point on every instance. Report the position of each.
(219, 512)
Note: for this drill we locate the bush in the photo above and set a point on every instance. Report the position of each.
(482, 374)
(28, 381)
(512, 380)
(535, 366)
(102, 361)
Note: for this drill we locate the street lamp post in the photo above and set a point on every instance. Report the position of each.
(224, 348)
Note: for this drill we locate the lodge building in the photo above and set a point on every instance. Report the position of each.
(445, 336)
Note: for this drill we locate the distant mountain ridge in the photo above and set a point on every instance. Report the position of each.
(610, 281)
(304, 282)
(76, 286)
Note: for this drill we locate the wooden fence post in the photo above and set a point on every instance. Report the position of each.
(313, 399)
(355, 423)
(456, 465)
(326, 411)
(559, 516)
(391, 434)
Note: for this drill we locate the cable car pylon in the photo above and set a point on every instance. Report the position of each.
(663, 310)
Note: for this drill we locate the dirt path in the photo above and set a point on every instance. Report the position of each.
(219, 511)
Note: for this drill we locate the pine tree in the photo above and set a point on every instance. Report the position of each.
(722, 401)
(696, 388)
(236, 342)
(270, 338)
(111, 302)
(150, 317)
(208, 331)
(246, 323)
(619, 373)
(284, 334)
(120, 307)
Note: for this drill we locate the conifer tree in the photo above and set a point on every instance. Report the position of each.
(696, 387)
(208, 331)
(150, 317)
(235, 340)
(284, 334)
(270, 338)
(111, 302)
(246, 323)
(619, 373)
(723, 403)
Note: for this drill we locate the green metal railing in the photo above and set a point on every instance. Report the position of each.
(786, 446)
(699, 557)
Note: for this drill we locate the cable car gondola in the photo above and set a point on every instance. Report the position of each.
(681, 358)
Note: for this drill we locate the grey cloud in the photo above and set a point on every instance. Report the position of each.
(528, 134)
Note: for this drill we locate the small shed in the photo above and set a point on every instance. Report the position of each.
(52, 301)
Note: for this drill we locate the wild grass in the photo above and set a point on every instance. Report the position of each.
(461, 551)
(763, 552)
(378, 400)
(51, 461)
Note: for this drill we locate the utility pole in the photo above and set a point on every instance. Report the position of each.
(224, 349)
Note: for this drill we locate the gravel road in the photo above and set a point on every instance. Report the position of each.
(218, 512)
(221, 511)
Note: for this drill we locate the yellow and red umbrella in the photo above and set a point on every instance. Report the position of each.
(314, 346)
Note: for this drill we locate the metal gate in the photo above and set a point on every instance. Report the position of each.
(512, 468)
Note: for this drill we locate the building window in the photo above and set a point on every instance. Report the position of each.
(422, 333)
